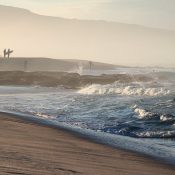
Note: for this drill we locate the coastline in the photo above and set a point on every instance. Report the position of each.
(30, 147)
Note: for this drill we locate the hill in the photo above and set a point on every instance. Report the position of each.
(35, 35)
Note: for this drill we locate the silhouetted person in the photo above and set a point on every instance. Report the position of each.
(9, 52)
(90, 65)
(5, 53)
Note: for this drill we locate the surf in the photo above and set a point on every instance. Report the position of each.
(136, 89)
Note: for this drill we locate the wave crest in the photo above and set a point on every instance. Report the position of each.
(142, 113)
(116, 88)
(156, 134)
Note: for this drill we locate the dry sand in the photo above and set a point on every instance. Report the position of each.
(30, 148)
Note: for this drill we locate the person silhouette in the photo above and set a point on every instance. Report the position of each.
(90, 65)
(9, 52)
(5, 53)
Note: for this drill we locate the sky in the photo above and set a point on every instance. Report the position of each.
(152, 13)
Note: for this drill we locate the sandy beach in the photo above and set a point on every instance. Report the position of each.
(30, 148)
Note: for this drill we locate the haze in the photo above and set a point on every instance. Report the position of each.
(153, 13)
(33, 35)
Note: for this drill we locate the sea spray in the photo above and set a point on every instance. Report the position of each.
(117, 88)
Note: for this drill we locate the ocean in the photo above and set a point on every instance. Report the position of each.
(138, 116)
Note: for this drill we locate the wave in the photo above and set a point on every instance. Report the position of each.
(142, 113)
(44, 116)
(167, 117)
(116, 88)
(150, 148)
(156, 134)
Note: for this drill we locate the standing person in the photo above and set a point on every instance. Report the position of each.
(90, 65)
(9, 52)
(5, 53)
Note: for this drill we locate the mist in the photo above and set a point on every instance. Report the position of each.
(33, 35)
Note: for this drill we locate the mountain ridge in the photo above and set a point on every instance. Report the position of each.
(85, 20)
(36, 35)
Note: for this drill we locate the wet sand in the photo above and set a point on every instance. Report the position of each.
(30, 148)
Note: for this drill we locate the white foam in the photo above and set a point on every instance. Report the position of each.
(150, 147)
(142, 113)
(161, 134)
(165, 118)
(44, 116)
(117, 88)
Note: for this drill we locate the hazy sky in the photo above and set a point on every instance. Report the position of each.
(155, 13)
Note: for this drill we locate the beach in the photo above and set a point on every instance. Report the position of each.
(87, 88)
(27, 147)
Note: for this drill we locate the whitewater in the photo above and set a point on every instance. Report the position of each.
(138, 116)
(118, 88)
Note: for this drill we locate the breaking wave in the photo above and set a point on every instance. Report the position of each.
(144, 114)
(156, 134)
(117, 88)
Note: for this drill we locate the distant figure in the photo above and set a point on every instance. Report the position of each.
(7, 53)
(25, 65)
(90, 65)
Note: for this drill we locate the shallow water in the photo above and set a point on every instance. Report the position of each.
(142, 111)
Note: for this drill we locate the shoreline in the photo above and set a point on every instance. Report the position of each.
(71, 154)
(113, 141)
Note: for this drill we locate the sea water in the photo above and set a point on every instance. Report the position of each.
(138, 116)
